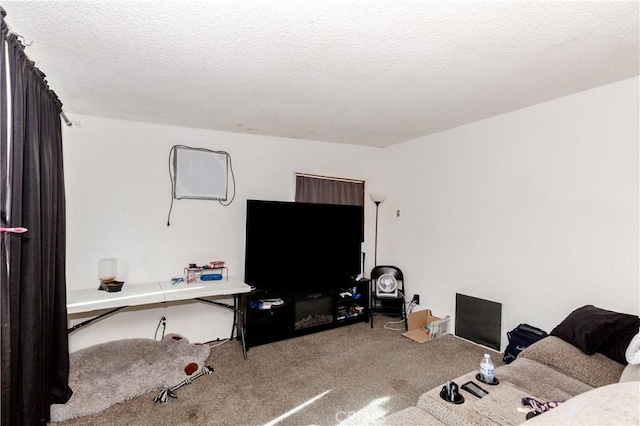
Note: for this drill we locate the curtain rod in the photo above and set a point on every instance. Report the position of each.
(66, 120)
(29, 43)
(329, 178)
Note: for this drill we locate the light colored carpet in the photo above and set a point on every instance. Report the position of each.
(109, 373)
(349, 375)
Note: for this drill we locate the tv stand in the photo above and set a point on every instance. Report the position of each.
(302, 313)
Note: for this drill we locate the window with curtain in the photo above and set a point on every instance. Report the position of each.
(329, 190)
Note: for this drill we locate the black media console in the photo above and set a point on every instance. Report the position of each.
(302, 313)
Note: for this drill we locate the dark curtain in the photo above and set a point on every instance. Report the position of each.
(311, 189)
(5, 361)
(35, 353)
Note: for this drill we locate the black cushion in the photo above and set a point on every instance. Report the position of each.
(589, 327)
(616, 345)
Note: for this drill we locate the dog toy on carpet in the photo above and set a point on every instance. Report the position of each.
(165, 394)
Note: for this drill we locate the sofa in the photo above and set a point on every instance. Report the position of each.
(591, 388)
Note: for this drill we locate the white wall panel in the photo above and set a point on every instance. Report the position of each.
(536, 209)
(118, 197)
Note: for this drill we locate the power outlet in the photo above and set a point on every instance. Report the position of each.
(416, 299)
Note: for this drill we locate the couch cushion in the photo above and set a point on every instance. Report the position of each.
(594, 370)
(519, 379)
(452, 414)
(631, 373)
(502, 403)
(589, 327)
(616, 404)
(541, 381)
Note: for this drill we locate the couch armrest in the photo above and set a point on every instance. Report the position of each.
(615, 404)
(595, 370)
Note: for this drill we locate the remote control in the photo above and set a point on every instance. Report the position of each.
(474, 389)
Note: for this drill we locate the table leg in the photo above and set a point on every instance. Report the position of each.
(90, 320)
(237, 318)
(244, 343)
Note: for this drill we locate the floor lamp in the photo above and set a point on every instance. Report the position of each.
(377, 199)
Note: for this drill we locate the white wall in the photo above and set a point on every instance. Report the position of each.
(118, 195)
(536, 209)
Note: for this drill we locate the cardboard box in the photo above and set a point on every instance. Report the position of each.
(423, 326)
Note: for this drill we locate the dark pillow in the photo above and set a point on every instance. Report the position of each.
(589, 327)
(616, 345)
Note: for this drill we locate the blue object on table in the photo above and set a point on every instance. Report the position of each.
(211, 277)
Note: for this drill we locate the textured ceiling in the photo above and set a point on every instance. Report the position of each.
(359, 72)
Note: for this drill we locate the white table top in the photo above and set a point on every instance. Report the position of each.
(222, 287)
(86, 300)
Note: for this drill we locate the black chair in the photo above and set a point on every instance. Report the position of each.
(387, 292)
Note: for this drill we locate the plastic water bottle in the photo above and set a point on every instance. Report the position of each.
(486, 369)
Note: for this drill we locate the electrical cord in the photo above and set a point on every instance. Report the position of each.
(412, 305)
(386, 325)
(233, 179)
(222, 342)
(408, 309)
(163, 323)
(173, 185)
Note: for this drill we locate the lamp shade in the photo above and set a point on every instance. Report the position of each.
(377, 197)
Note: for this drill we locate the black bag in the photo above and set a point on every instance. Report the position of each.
(519, 338)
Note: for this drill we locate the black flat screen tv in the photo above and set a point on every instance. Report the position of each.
(301, 246)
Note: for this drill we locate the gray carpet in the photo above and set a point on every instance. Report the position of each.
(349, 375)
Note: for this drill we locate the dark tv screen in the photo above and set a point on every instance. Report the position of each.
(301, 246)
